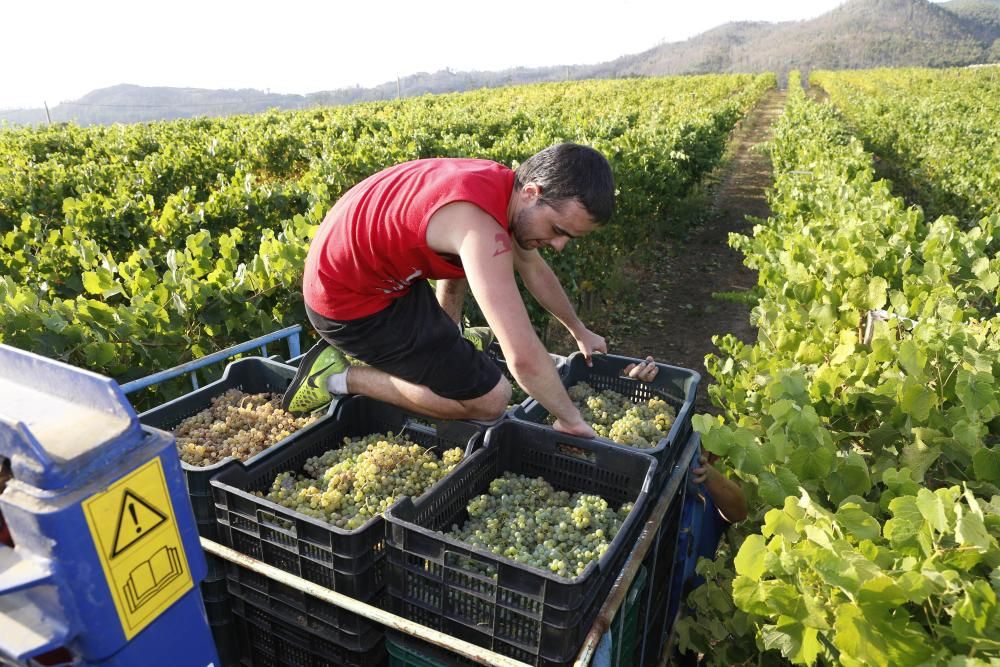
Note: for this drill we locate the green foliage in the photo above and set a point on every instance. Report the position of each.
(936, 129)
(918, 589)
(870, 464)
(130, 249)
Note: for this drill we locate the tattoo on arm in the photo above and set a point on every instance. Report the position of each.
(502, 244)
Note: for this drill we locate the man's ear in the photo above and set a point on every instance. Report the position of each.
(531, 191)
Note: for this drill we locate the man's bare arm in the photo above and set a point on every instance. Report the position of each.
(543, 284)
(468, 231)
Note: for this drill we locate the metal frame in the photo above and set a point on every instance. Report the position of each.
(291, 333)
(651, 536)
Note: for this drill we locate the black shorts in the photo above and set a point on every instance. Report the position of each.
(414, 339)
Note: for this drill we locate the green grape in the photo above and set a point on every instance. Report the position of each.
(529, 521)
(619, 419)
(350, 485)
(235, 424)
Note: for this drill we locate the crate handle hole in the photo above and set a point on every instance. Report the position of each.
(575, 452)
(275, 521)
(471, 564)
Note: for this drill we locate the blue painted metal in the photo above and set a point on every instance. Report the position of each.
(602, 655)
(293, 347)
(71, 434)
(39, 399)
(290, 333)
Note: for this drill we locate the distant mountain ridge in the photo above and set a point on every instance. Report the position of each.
(857, 34)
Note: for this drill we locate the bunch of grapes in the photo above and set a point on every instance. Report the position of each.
(527, 520)
(235, 424)
(619, 419)
(348, 486)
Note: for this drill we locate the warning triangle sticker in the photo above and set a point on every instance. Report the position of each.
(136, 518)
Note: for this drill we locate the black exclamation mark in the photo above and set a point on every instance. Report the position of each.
(131, 509)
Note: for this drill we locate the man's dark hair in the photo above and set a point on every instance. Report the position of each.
(571, 171)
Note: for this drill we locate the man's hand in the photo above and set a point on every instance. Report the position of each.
(581, 429)
(590, 343)
(643, 371)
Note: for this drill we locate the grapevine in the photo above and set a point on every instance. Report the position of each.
(871, 463)
(192, 233)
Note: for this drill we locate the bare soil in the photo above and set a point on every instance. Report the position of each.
(678, 314)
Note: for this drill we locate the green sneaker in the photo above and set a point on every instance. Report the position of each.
(480, 337)
(308, 391)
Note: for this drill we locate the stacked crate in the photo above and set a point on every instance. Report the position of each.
(514, 609)
(252, 375)
(402, 562)
(351, 562)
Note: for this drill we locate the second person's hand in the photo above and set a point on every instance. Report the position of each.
(644, 371)
(700, 473)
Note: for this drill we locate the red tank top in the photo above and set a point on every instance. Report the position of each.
(372, 244)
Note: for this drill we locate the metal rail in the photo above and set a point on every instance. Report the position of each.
(616, 595)
(291, 333)
(464, 648)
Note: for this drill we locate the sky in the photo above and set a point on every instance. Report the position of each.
(60, 50)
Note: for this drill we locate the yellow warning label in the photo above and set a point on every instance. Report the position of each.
(133, 524)
(139, 546)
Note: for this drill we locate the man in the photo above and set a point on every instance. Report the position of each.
(463, 222)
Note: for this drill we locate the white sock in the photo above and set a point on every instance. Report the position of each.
(337, 383)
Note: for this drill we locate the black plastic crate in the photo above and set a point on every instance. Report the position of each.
(511, 608)
(252, 375)
(268, 641)
(296, 360)
(408, 651)
(677, 386)
(218, 609)
(657, 596)
(294, 606)
(250, 603)
(347, 561)
(662, 562)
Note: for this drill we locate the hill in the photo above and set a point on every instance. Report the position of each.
(858, 34)
(986, 12)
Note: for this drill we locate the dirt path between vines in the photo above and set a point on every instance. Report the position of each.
(679, 315)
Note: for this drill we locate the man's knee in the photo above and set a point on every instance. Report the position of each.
(493, 404)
